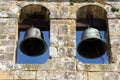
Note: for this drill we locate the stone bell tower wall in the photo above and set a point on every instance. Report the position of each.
(63, 64)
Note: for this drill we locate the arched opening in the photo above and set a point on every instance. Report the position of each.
(36, 15)
(91, 16)
(34, 28)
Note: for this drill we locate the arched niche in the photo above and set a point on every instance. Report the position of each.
(96, 17)
(92, 15)
(36, 15)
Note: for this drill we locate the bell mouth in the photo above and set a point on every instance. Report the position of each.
(33, 46)
(92, 48)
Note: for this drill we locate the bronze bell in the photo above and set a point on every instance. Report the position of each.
(91, 45)
(33, 43)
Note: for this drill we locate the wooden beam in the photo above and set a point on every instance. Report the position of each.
(96, 23)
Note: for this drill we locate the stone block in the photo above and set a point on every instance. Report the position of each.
(19, 74)
(53, 52)
(59, 66)
(54, 40)
(5, 2)
(64, 11)
(6, 57)
(3, 36)
(95, 76)
(6, 75)
(8, 42)
(62, 51)
(7, 65)
(63, 29)
(70, 75)
(49, 65)
(41, 75)
(111, 76)
(72, 12)
(55, 75)
(66, 41)
(2, 49)
(81, 75)
(70, 66)
(80, 66)
(13, 37)
(10, 10)
(115, 58)
(7, 30)
(65, 64)
(54, 28)
(71, 52)
(10, 49)
(54, 12)
(98, 67)
(115, 50)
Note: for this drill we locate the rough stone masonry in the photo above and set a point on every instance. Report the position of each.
(63, 64)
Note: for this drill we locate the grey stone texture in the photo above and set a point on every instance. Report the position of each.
(63, 64)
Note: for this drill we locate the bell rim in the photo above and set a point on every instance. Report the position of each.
(79, 52)
(24, 52)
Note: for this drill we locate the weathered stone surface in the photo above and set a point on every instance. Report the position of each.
(54, 27)
(70, 66)
(80, 66)
(2, 49)
(7, 42)
(95, 76)
(54, 12)
(7, 26)
(19, 74)
(55, 75)
(114, 58)
(71, 52)
(115, 43)
(111, 76)
(6, 75)
(115, 50)
(42, 75)
(10, 49)
(98, 67)
(12, 37)
(63, 29)
(53, 52)
(53, 40)
(49, 65)
(3, 36)
(5, 57)
(5, 2)
(62, 64)
(66, 41)
(62, 52)
(81, 76)
(64, 11)
(7, 30)
(70, 75)
(66, 64)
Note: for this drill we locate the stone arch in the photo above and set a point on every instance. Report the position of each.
(95, 12)
(34, 14)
